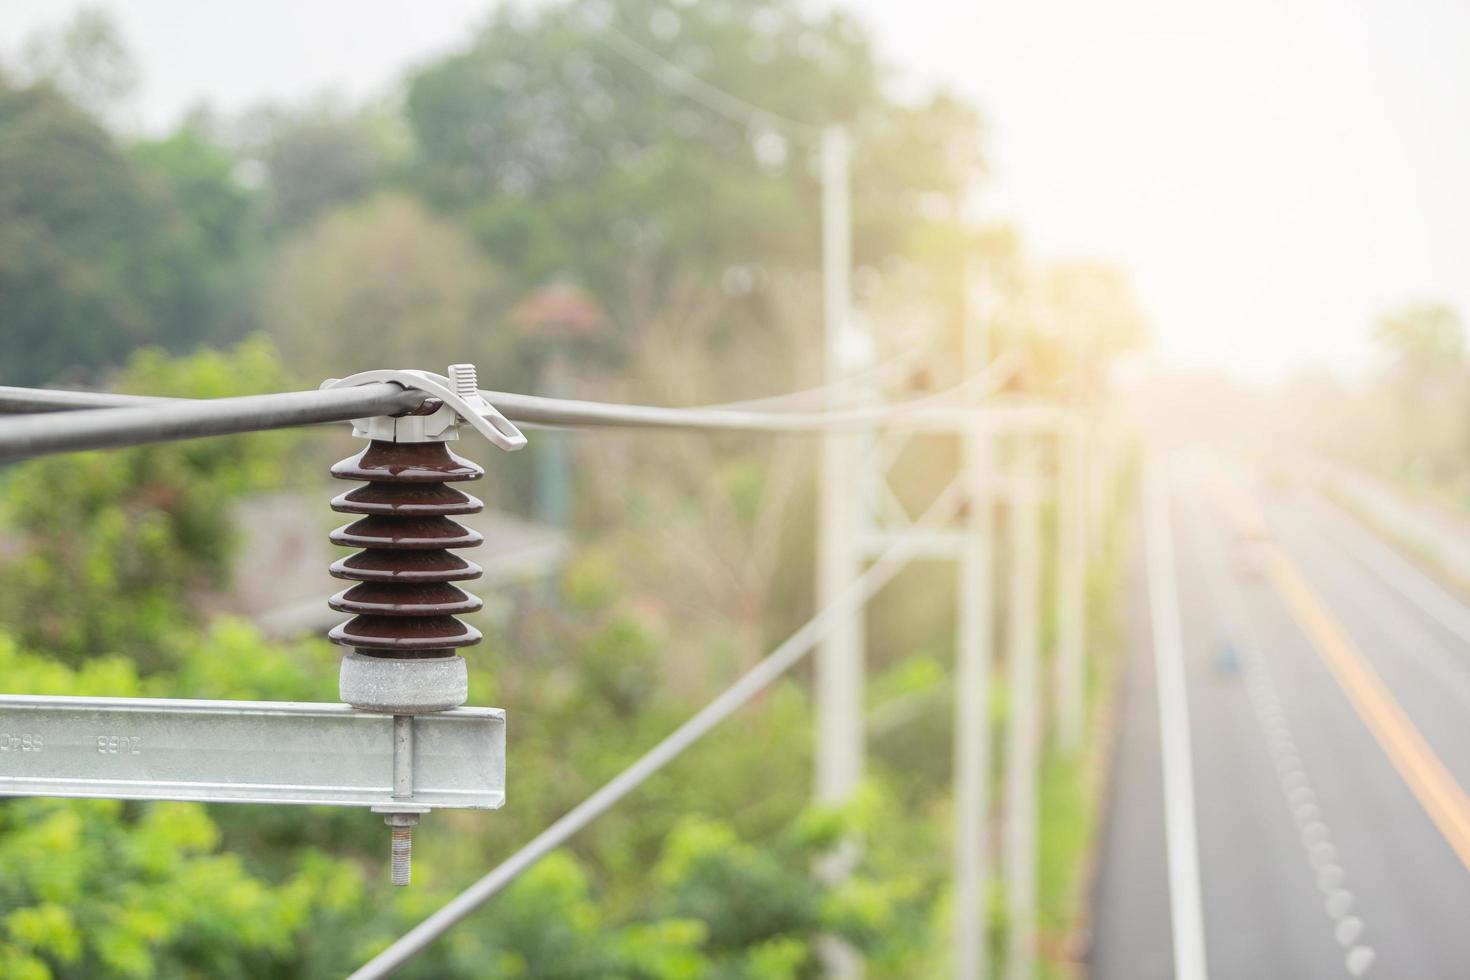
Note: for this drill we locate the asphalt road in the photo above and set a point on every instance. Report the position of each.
(1327, 705)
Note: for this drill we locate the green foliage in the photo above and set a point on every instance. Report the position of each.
(74, 218)
(1077, 319)
(97, 888)
(380, 283)
(318, 156)
(86, 58)
(103, 251)
(202, 278)
(1411, 421)
(114, 546)
(1424, 347)
(567, 159)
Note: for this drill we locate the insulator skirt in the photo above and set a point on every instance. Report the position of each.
(374, 565)
(417, 635)
(408, 499)
(404, 605)
(379, 531)
(379, 599)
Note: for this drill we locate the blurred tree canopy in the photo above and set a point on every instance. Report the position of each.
(87, 59)
(318, 156)
(113, 549)
(565, 158)
(1077, 318)
(382, 282)
(102, 250)
(1423, 345)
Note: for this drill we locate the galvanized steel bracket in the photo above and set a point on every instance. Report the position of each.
(250, 752)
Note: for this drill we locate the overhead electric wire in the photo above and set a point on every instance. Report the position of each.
(70, 427)
(539, 410)
(775, 664)
(821, 395)
(166, 420)
(731, 106)
(984, 382)
(20, 401)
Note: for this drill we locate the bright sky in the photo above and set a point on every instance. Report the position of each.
(1271, 173)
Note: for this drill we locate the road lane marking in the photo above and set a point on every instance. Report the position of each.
(1426, 776)
(1450, 671)
(1316, 839)
(1182, 847)
(1385, 561)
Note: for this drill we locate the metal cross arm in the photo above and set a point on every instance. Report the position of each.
(401, 743)
(250, 752)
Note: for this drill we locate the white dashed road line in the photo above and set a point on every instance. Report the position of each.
(1302, 801)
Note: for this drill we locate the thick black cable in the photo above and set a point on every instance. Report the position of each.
(168, 420)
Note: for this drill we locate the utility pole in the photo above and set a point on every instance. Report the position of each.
(1023, 733)
(839, 662)
(1071, 660)
(554, 452)
(974, 630)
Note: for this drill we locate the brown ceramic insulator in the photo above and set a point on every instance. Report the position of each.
(404, 605)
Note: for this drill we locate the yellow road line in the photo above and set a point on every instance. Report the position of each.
(1427, 778)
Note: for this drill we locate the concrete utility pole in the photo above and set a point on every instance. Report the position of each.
(554, 453)
(974, 631)
(1023, 730)
(839, 662)
(1101, 474)
(1071, 659)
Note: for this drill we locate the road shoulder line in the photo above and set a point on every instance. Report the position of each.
(1176, 754)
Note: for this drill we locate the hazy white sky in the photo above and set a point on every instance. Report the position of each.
(1271, 173)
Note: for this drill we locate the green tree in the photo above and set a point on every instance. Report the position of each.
(1423, 345)
(566, 158)
(318, 156)
(201, 281)
(1077, 318)
(76, 218)
(97, 888)
(115, 547)
(381, 283)
(102, 250)
(1424, 432)
(87, 59)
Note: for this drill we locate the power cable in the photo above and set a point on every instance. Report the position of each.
(70, 427)
(731, 106)
(138, 422)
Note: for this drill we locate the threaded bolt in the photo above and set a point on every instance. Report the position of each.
(401, 865)
(402, 872)
(466, 383)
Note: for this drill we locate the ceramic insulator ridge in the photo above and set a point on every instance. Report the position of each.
(404, 604)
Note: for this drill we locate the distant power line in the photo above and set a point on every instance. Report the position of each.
(712, 97)
(92, 420)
